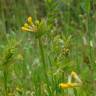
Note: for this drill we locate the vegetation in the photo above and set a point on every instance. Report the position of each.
(47, 47)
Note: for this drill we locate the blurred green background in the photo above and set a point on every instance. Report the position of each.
(71, 26)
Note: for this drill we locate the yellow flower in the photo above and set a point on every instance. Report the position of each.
(26, 25)
(75, 76)
(30, 27)
(68, 85)
(25, 29)
(30, 20)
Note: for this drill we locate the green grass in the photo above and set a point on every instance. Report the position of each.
(35, 63)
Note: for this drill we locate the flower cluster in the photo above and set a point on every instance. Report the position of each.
(29, 26)
(69, 84)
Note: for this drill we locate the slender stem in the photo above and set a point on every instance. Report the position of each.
(42, 55)
(5, 80)
(44, 64)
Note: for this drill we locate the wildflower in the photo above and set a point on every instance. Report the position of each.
(68, 85)
(25, 29)
(26, 25)
(30, 26)
(75, 76)
(29, 20)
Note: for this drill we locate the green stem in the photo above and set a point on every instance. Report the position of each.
(44, 64)
(42, 56)
(5, 80)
